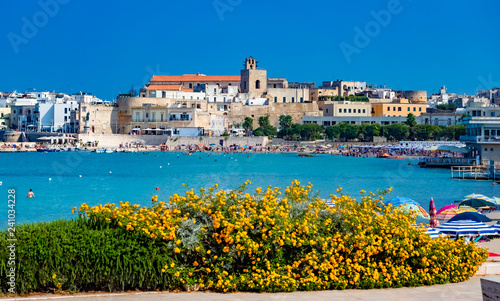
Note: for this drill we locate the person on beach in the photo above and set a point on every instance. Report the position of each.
(31, 194)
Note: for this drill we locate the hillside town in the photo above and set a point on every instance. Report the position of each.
(199, 105)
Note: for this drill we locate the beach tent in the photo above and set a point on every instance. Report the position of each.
(465, 228)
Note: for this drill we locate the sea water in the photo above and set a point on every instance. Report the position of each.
(63, 180)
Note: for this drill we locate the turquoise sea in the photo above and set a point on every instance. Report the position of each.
(83, 177)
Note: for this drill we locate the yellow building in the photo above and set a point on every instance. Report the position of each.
(399, 108)
(4, 118)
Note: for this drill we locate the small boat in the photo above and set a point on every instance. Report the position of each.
(395, 157)
(99, 151)
(305, 155)
(46, 150)
(109, 151)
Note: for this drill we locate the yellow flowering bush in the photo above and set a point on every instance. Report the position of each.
(274, 240)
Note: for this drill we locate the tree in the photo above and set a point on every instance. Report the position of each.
(248, 124)
(397, 131)
(263, 121)
(267, 130)
(285, 122)
(410, 120)
(447, 107)
(310, 131)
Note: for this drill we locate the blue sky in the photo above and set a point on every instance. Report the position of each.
(104, 47)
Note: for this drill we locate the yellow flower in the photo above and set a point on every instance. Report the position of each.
(177, 250)
(54, 276)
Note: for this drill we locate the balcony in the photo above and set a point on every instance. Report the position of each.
(479, 139)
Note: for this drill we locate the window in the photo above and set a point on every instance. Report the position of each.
(414, 109)
(137, 117)
(161, 115)
(275, 99)
(84, 109)
(301, 99)
(359, 110)
(215, 90)
(420, 109)
(492, 114)
(349, 110)
(153, 117)
(191, 86)
(326, 112)
(163, 94)
(345, 110)
(293, 99)
(399, 109)
(340, 110)
(388, 108)
(491, 149)
(65, 118)
(485, 149)
(284, 99)
(394, 109)
(257, 84)
(147, 115)
(65, 111)
(364, 111)
(408, 109)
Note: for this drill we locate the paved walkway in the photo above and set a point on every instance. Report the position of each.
(466, 291)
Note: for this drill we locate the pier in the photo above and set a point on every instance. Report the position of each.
(479, 172)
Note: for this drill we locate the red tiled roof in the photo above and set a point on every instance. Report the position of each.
(195, 78)
(166, 87)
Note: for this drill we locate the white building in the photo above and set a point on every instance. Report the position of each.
(54, 117)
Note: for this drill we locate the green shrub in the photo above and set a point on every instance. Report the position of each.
(79, 255)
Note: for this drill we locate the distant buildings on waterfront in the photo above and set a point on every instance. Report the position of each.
(214, 105)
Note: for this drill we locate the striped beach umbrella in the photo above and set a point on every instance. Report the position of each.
(448, 213)
(418, 209)
(496, 227)
(494, 200)
(465, 208)
(474, 196)
(447, 207)
(465, 228)
(432, 232)
(433, 222)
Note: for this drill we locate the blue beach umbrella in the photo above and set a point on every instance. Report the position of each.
(472, 216)
(398, 201)
(465, 228)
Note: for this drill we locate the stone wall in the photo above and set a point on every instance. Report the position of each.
(114, 141)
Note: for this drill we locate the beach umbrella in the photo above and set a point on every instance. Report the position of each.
(477, 203)
(448, 213)
(473, 216)
(465, 228)
(432, 232)
(495, 200)
(447, 207)
(418, 209)
(474, 196)
(433, 222)
(496, 227)
(397, 201)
